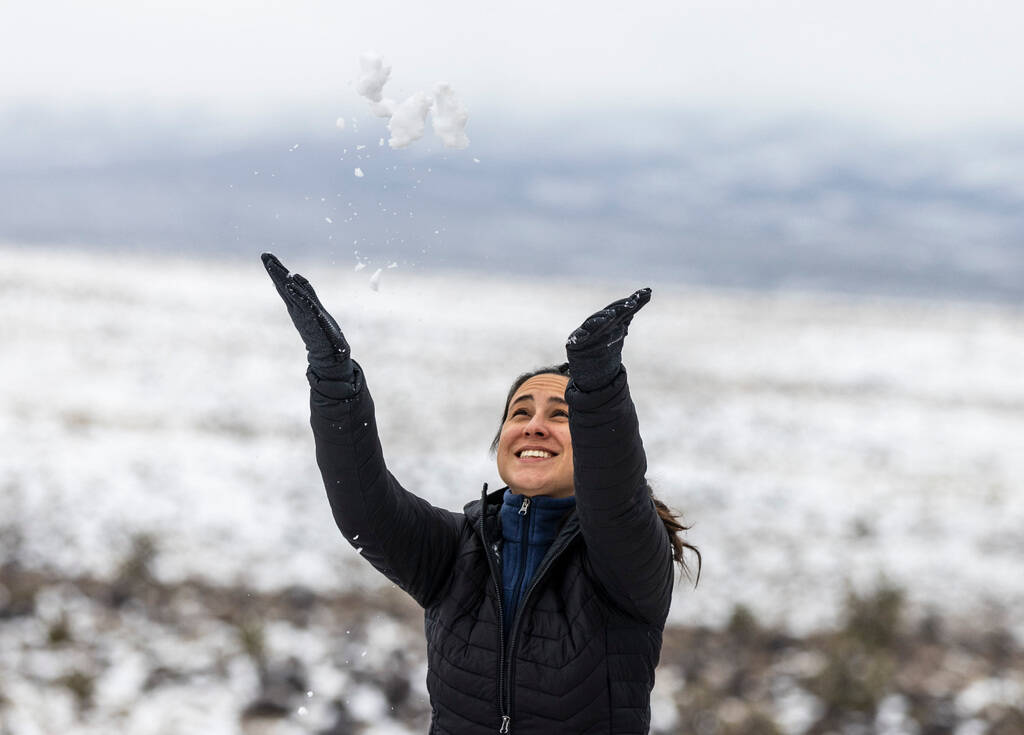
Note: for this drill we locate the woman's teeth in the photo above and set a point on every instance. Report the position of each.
(535, 453)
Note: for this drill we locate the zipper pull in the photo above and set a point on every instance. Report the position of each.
(505, 722)
(525, 506)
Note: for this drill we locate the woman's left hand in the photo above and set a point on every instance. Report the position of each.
(595, 348)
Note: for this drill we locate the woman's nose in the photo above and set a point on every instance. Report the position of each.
(535, 426)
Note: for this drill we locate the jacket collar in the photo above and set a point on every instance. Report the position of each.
(490, 503)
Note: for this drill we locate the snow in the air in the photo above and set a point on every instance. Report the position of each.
(449, 118)
(374, 75)
(407, 119)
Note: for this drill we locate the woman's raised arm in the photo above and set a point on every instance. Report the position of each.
(628, 547)
(406, 538)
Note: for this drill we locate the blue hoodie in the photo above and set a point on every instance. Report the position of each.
(528, 526)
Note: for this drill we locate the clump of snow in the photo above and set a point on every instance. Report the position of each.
(407, 119)
(450, 118)
(384, 108)
(374, 75)
(358, 172)
(375, 279)
(340, 123)
(989, 692)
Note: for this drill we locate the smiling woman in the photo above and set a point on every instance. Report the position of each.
(544, 601)
(534, 446)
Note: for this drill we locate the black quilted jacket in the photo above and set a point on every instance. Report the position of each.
(581, 652)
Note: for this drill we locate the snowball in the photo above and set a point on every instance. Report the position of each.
(409, 119)
(373, 77)
(384, 108)
(358, 172)
(449, 118)
(340, 123)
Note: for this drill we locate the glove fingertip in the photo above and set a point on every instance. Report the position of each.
(275, 269)
(639, 298)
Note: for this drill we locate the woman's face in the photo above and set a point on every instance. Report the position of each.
(534, 449)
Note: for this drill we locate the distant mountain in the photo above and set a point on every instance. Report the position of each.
(684, 197)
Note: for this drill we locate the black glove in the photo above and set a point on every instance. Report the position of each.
(595, 348)
(331, 368)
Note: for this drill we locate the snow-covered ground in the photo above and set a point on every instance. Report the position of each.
(815, 442)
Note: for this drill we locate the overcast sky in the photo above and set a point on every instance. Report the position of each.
(914, 64)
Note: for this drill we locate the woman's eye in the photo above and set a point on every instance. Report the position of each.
(519, 412)
(561, 413)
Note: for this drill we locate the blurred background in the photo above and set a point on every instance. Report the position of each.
(827, 198)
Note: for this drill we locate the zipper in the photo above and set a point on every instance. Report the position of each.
(506, 721)
(524, 550)
(507, 680)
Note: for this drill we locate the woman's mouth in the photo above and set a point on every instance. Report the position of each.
(534, 454)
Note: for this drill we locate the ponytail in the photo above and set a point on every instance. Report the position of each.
(675, 528)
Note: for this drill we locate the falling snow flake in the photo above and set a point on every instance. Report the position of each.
(375, 279)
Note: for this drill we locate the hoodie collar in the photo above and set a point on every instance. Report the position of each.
(537, 521)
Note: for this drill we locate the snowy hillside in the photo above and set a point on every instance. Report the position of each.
(814, 442)
(170, 564)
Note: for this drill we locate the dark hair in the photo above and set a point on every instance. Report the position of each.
(673, 525)
(675, 528)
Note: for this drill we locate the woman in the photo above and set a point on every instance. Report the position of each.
(544, 602)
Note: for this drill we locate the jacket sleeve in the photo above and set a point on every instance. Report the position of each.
(628, 547)
(403, 536)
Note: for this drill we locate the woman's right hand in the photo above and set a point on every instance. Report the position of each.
(326, 347)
